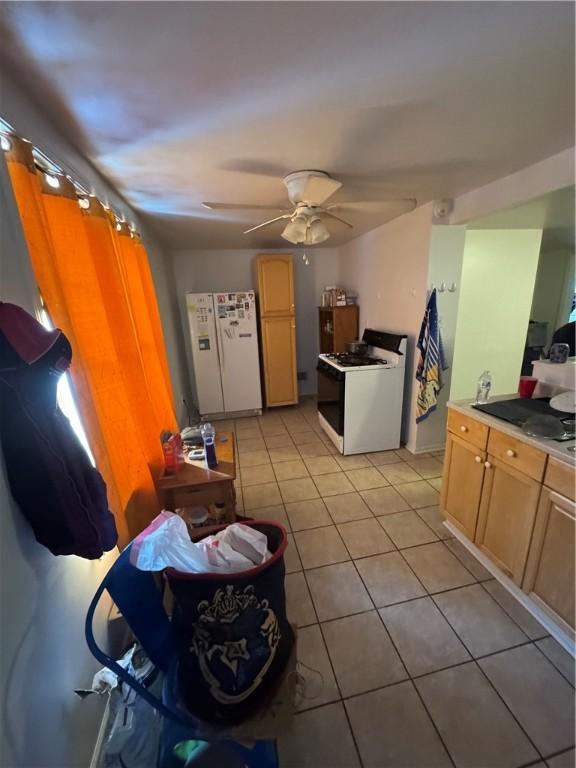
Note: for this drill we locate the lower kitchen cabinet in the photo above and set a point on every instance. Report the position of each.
(506, 519)
(550, 574)
(462, 484)
(517, 503)
(279, 360)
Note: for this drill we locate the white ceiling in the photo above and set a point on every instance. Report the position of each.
(179, 102)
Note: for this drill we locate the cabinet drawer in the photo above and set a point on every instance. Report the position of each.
(560, 477)
(468, 429)
(517, 454)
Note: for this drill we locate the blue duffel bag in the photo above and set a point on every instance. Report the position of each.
(233, 638)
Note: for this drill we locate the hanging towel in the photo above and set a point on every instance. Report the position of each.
(431, 362)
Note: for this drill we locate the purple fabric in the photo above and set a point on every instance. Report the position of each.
(51, 478)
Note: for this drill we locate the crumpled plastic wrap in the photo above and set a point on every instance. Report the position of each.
(166, 543)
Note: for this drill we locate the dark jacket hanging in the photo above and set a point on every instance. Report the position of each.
(51, 477)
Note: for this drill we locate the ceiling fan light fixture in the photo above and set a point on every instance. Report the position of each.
(317, 232)
(296, 229)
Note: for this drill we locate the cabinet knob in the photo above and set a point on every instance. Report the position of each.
(477, 459)
(487, 465)
(510, 453)
(463, 428)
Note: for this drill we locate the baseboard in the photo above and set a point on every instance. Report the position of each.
(432, 448)
(541, 616)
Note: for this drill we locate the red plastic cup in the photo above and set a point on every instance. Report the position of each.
(526, 386)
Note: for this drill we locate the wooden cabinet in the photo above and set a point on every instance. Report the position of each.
(279, 352)
(462, 484)
(468, 429)
(517, 504)
(559, 477)
(338, 326)
(549, 576)
(277, 328)
(275, 284)
(524, 458)
(506, 517)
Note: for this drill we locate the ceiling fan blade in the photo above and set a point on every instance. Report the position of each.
(372, 205)
(320, 188)
(266, 223)
(332, 216)
(241, 207)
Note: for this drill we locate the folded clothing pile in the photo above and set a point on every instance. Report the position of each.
(165, 543)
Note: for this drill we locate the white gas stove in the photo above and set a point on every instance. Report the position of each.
(360, 396)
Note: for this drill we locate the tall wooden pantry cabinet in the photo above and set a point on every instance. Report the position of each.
(275, 274)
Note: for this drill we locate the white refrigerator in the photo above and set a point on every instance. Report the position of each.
(225, 351)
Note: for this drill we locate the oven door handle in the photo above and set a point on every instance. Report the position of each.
(330, 372)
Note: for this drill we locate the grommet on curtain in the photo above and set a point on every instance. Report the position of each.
(52, 181)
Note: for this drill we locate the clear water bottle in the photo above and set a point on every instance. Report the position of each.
(484, 387)
(208, 434)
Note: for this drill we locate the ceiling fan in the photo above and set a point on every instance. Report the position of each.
(307, 191)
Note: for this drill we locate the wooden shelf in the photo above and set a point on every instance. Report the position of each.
(338, 326)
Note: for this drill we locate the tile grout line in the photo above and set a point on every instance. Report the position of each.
(512, 619)
(414, 687)
(478, 666)
(319, 624)
(529, 641)
(472, 659)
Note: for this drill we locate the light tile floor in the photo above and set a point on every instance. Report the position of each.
(413, 656)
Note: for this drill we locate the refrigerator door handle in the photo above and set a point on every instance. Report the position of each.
(220, 345)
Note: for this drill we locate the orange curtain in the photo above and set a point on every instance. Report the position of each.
(96, 282)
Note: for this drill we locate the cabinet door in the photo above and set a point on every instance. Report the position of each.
(462, 484)
(279, 356)
(275, 285)
(345, 327)
(550, 569)
(507, 513)
(326, 322)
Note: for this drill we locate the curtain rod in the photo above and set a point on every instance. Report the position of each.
(50, 167)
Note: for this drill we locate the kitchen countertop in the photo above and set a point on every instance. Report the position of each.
(551, 447)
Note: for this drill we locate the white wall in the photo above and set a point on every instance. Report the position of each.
(388, 269)
(208, 271)
(445, 266)
(43, 598)
(554, 285)
(498, 276)
(167, 296)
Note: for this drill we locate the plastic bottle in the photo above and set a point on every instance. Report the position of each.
(208, 433)
(484, 387)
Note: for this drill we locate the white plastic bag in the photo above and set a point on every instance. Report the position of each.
(247, 541)
(166, 544)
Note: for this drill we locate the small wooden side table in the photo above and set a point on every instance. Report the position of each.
(195, 484)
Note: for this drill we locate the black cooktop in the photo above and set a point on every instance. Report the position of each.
(348, 360)
(518, 410)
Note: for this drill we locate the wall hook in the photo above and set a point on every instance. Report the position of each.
(442, 287)
(452, 287)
